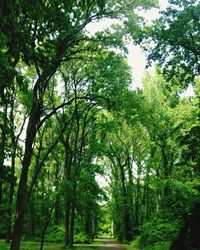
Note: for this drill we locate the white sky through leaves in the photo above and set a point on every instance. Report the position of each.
(136, 57)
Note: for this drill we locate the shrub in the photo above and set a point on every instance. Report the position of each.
(82, 238)
(159, 234)
(55, 234)
(158, 246)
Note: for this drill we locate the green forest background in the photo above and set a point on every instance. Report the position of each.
(69, 117)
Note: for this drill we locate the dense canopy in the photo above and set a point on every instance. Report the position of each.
(82, 153)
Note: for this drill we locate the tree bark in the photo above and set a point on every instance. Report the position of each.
(72, 221)
(57, 210)
(3, 125)
(22, 189)
(67, 223)
(10, 198)
(21, 197)
(67, 198)
(48, 219)
(14, 141)
(126, 226)
(137, 202)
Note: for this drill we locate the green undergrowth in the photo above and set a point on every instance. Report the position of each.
(56, 234)
(58, 246)
(48, 246)
(32, 246)
(156, 235)
(130, 248)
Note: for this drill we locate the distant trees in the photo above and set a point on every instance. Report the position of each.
(145, 155)
(172, 42)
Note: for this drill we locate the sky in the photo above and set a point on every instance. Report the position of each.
(136, 57)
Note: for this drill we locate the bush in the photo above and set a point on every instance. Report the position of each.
(158, 246)
(82, 238)
(55, 234)
(136, 242)
(158, 234)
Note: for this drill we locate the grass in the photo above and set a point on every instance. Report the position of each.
(57, 246)
(48, 246)
(32, 246)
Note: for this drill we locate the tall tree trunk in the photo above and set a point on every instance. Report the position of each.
(22, 189)
(21, 199)
(130, 205)
(137, 202)
(14, 142)
(3, 128)
(32, 203)
(67, 197)
(48, 219)
(67, 223)
(167, 161)
(73, 174)
(138, 195)
(57, 210)
(126, 221)
(10, 198)
(72, 221)
(3, 136)
(146, 197)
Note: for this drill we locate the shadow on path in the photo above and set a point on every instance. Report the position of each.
(109, 243)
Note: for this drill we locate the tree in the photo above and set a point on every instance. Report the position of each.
(90, 94)
(51, 40)
(175, 41)
(167, 117)
(122, 153)
(37, 38)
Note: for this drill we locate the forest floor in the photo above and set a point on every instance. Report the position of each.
(99, 244)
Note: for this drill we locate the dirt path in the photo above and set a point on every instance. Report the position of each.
(110, 244)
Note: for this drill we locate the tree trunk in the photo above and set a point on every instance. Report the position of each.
(147, 215)
(32, 203)
(21, 201)
(12, 174)
(57, 213)
(10, 198)
(22, 189)
(130, 202)
(3, 128)
(137, 201)
(67, 223)
(48, 219)
(166, 170)
(72, 221)
(67, 197)
(126, 219)
(138, 195)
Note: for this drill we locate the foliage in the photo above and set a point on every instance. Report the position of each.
(158, 233)
(175, 43)
(82, 238)
(68, 115)
(47, 246)
(55, 234)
